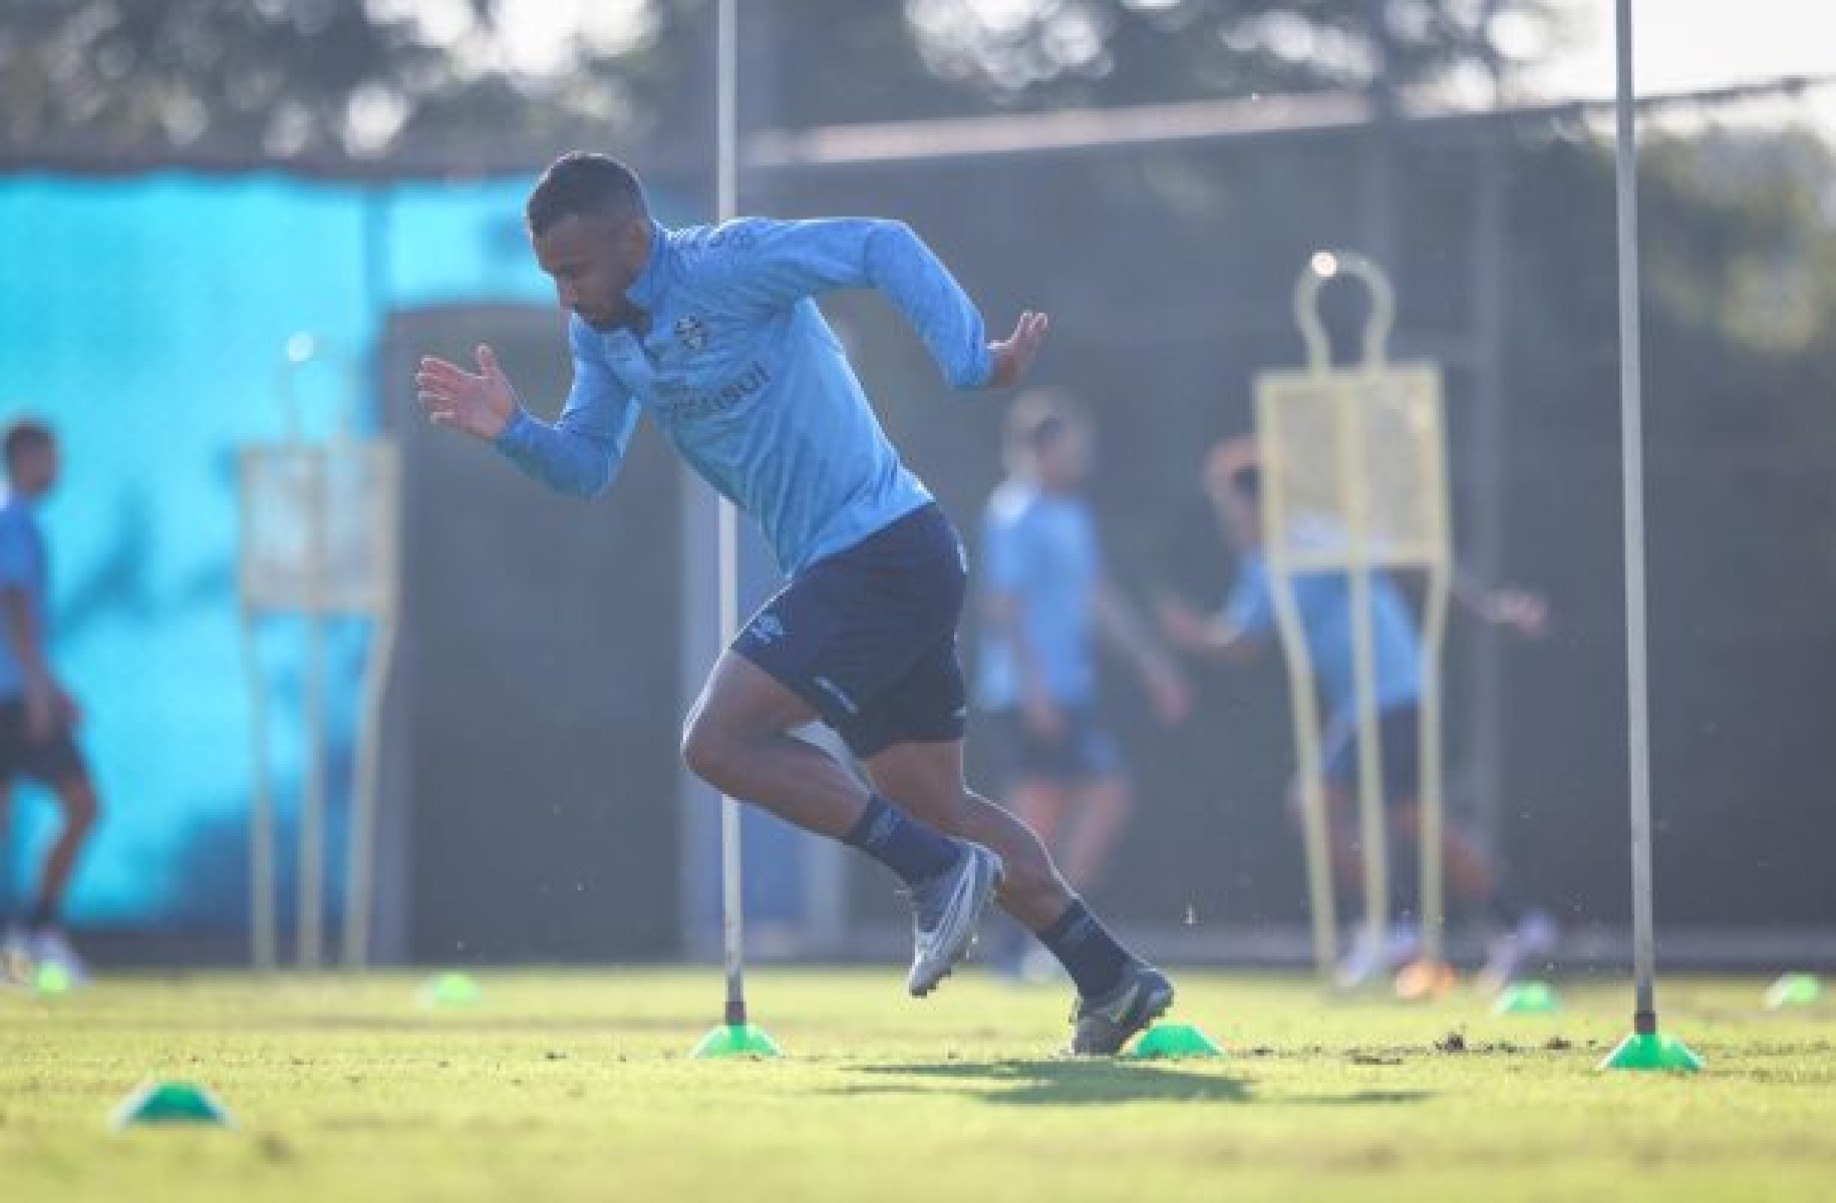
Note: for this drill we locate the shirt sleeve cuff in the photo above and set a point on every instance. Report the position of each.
(983, 367)
(515, 434)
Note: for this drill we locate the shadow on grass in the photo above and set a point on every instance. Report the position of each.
(1361, 1098)
(1055, 1083)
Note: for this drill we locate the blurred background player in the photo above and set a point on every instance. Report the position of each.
(1323, 599)
(1045, 600)
(37, 714)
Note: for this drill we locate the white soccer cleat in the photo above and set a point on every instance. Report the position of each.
(1532, 940)
(946, 912)
(50, 948)
(1367, 960)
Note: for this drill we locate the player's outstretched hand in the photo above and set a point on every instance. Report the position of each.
(1181, 625)
(1517, 610)
(1014, 355)
(480, 405)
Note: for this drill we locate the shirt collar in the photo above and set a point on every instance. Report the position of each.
(645, 290)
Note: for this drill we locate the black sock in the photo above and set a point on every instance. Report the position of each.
(1086, 949)
(909, 848)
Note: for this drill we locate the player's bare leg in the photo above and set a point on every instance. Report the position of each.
(47, 943)
(1365, 960)
(1103, 807)
(1118, 994)
(927, 779)
(738, 739)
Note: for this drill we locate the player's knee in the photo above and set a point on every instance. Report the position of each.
(705, 749)
(81, 808)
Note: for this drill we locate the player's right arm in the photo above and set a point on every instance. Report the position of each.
(23, 638)
(1235, 633)
(579, 454)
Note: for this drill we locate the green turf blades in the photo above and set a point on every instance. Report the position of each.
(450, 991)
(1527, 998)
(1655, 1051)
(170, 1103)
(1173, 1042)
(1794, 990)
(736, 1040)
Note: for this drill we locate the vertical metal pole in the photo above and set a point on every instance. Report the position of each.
(1631, 434)
(382, 477)
(360, 854)
(1485, 452)
(312, 797)
(263, 933)
(263, 936)
(726, 186)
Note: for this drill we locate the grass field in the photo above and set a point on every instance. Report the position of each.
(560, 1086)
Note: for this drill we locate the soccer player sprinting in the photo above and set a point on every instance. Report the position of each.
(1323, 599)
(1046, 599)
(714, 333)
(37, 714)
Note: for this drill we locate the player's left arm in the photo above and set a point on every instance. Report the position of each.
(776, 263)
(1117, 620)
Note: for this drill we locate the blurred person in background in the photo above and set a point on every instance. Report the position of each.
(38, 716)
(1323, 599)
(1046, 599)
(716, 335)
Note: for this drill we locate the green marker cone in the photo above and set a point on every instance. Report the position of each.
(170, 1103)
(1794, 990)
(52, 979)
(1527, 998)
(450, 991)
(735, 1040)
(1173, 1042)
(1652, 1051)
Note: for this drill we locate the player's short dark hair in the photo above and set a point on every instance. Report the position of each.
(581, 184)
(1040, 415)
(23, 436)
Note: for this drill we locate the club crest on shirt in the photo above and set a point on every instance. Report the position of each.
(691, 331)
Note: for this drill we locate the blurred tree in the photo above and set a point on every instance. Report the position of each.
(463, 83)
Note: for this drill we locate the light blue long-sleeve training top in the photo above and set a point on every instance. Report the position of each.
(1041, 550)
(742, 374)
(1324, 602)
(23, 566)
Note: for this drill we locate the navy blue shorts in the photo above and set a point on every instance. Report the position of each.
(868, 636)
(54, 760)
(1081, 751)
(1399, 738)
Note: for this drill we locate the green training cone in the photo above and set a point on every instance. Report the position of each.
(1794, 990)
(736, 1040)
(1653, 1051)
(170, 1103)
(1527, 998)
(52, 979)
(1173, 1042)
(450, 991)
